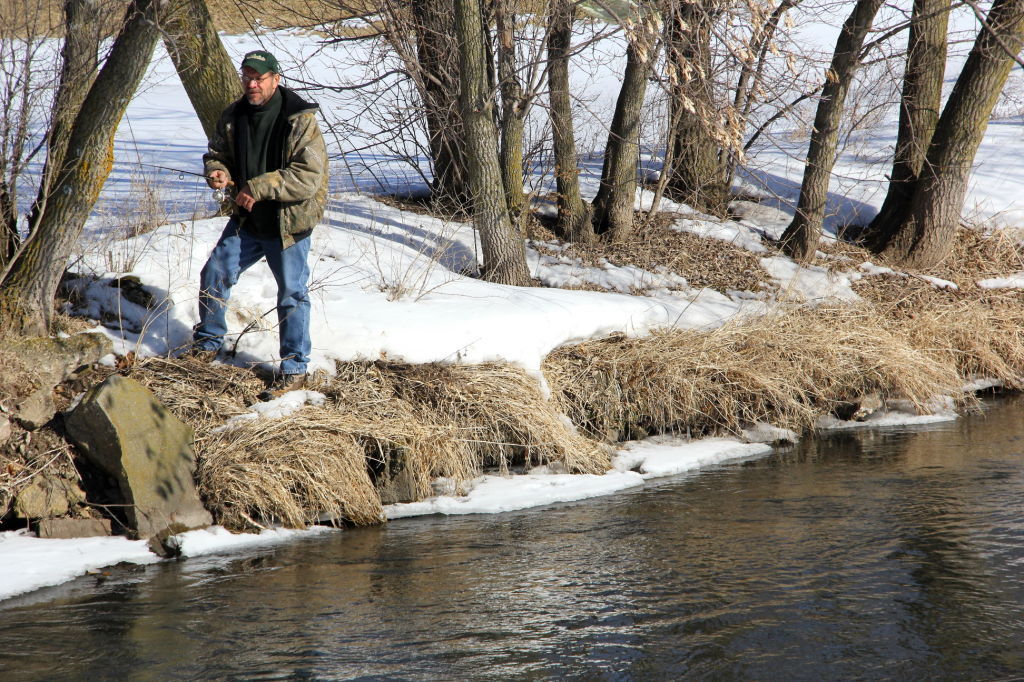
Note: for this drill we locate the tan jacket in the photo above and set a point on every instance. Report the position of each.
(300, 186)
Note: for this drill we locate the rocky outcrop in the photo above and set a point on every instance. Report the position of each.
(49, 495)
(52, 361)
(122, 428)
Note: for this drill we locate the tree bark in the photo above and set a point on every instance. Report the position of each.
(203, 65)
(697, 173)
(513, 110)
(437, 51)
(83, 31)
(504, 252)
(920, 104)
(925, 237)
(800, 239)
(26, 293)
(616, 196)
(574, 214)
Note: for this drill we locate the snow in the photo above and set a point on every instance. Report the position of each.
(30, 563)
(1015, 281)
(393, 284)
(216, 539)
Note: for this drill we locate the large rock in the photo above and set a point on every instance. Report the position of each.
(47, 496)
(52, 361)
(127, 432)
(73, 528)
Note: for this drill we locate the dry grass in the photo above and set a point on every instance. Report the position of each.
(979, 331)
(450, 421)
(289, 471)
(496, 413)
(656, 247)
(786, 368)
(979, 254)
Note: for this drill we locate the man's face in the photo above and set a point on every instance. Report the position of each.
(259, 89)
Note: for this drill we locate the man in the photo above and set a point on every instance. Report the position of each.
(268, 145)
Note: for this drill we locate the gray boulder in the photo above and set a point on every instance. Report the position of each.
(127, 432)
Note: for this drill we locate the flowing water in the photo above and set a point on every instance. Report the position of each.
(883, 554)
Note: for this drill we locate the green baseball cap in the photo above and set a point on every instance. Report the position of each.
(261, 61)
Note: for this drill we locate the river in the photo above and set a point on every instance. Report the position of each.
(893, 553)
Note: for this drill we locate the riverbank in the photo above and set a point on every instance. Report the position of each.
(780, 356)
(882, 553)
(428, 376)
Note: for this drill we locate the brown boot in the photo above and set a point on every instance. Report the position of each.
(285, 383)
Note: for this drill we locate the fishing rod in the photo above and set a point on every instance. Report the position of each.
(219, 194)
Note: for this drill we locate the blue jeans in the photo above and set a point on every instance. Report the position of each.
(235, 252)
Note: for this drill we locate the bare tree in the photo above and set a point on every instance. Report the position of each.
(800, 240)
(503, 249)
(613, 205)
(30, 281)
(924, 236)
(437, 76)
(28, 83)
(207, 72)
(514, 104)
(920, 103)
(754, 64)
(694, 159)
(574, 214)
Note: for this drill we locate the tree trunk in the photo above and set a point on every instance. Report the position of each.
(437, 52)
(513, 110)
(800, 239)
(26, 294)
(203, 65)
(696, 175)
(82, 34)
(925, 236)
(10, 240)
(574, 214)
(503, 249)
(613, 205)
(920, 105)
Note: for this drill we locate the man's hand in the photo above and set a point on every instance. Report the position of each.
(217, 179)
(245, 199)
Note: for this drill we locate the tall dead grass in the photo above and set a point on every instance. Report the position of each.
(786, 368)
(980, 331)
(495, 412)
(433, 420)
